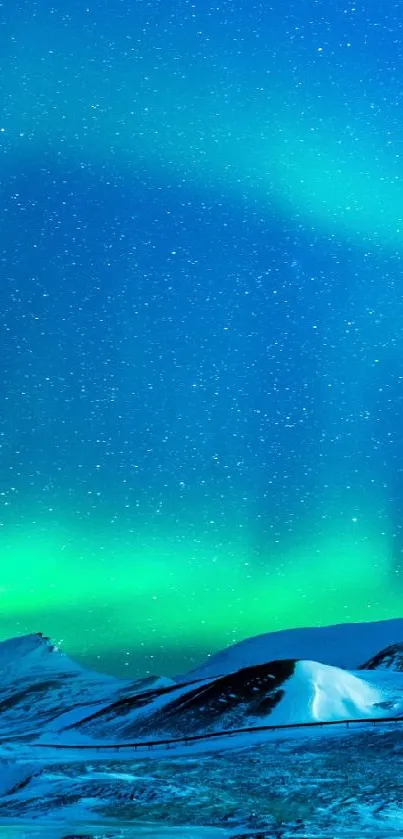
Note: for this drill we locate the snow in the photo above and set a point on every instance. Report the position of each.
(347, 645)
(319, 692)
(13, 774)
(33, 654)
(75, 715)
(49, 829)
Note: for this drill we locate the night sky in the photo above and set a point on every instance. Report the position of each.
(201, 322)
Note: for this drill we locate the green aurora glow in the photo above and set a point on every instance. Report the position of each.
(168, 592)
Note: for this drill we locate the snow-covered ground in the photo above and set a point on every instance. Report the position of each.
(322, 786)
(53, 830)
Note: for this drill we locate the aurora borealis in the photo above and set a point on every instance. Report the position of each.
(201, 233)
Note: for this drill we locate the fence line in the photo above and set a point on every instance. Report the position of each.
(194, 738)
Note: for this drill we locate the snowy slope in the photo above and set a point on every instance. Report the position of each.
(28, 656)
(389, 659)
(343, 645)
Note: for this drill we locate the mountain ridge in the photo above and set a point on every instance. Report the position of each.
(42, 690)
(345, 645)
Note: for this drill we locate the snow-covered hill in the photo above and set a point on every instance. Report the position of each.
(276, 693)
(195, 707)
(346, 645)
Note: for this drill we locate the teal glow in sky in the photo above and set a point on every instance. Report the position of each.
(202, 221)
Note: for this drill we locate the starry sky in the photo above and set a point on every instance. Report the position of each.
(201, 315)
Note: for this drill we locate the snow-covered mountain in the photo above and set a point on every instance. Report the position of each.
(44, 693)
(345, 645)
(41, 687)
(390, 658)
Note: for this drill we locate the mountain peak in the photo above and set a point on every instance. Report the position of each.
(33, 652)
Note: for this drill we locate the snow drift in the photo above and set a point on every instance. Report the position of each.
(321, 693)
